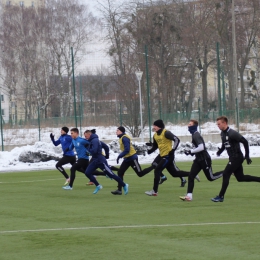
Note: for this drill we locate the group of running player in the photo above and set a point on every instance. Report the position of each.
(162, 140)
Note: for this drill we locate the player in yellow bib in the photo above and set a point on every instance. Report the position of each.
(162, 140)
(130, 158)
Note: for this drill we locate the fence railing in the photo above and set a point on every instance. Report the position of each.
(94, 120)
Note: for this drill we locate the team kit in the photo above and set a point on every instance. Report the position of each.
(92, 155)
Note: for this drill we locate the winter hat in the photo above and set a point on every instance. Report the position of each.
(93, 131)
(159, 123)
(121, 128)
(65, 129)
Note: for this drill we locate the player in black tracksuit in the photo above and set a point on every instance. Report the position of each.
(202, 160)
(162, 140)
(231, 140)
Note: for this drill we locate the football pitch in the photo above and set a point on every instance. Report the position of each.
(40, 220)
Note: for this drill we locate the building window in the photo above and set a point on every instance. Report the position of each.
(226, 85)
(32, 4)
(21, 3)
(2, 98)
(199, 86)
(3, 112)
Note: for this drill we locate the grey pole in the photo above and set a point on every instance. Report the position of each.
(139, 75)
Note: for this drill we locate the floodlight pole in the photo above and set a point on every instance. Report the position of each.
(139, 75)
(74, 89)
(235, 62)
(1, 123)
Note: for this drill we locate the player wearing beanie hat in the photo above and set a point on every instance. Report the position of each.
(130, 158)
(68, 156)
(162, 140)
(121, 129)
(65, 129)
(159, 123)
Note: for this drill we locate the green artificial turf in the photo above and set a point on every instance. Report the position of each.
(40, 220)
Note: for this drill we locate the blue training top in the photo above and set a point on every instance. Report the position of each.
(65, 141)
(80, 145)
(95, 148)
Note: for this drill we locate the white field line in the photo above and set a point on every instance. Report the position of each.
(124, 227)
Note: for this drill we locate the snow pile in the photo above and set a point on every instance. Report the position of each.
(253, 140)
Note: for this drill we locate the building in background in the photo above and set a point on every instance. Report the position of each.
(25, 3)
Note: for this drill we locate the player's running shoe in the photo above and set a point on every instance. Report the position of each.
(99, 187)
(163, 179)
(116, 192)
(218, 199)
(67, 188)
(67, 182)
(197, 178)
(151, 193)
(185, 198)
(126, 188)
(183, 183)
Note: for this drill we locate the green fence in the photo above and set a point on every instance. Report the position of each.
(92, 120)
(245, 116)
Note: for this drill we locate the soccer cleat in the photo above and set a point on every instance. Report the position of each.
(218, 199)
(185, 198)
(116, 192)
(90, 183)
(163, 179)
(197, 178)
(151, 193)
(126, 188)
(67, 182)
(67, 187)
(183, 183)
(99, 187)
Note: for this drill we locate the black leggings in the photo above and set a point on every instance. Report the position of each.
(65, 160)
(235, 166)
(81, 165)
(134, 164)
(196, 167)
(160, 163)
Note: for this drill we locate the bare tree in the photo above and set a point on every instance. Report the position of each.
(70, 25)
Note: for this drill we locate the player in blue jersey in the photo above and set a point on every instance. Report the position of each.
(68, 156)
(99, 161)
(80, 144)
(106, 154)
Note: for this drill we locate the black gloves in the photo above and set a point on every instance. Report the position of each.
(188, 152)
(67, 149)
(117, 160)
(248, 160)
(149, 144)
(218, 152)
(51, 136)
(107, 156)
(149, 151)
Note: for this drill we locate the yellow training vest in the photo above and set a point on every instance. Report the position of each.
(164, 144)
(122, 148)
